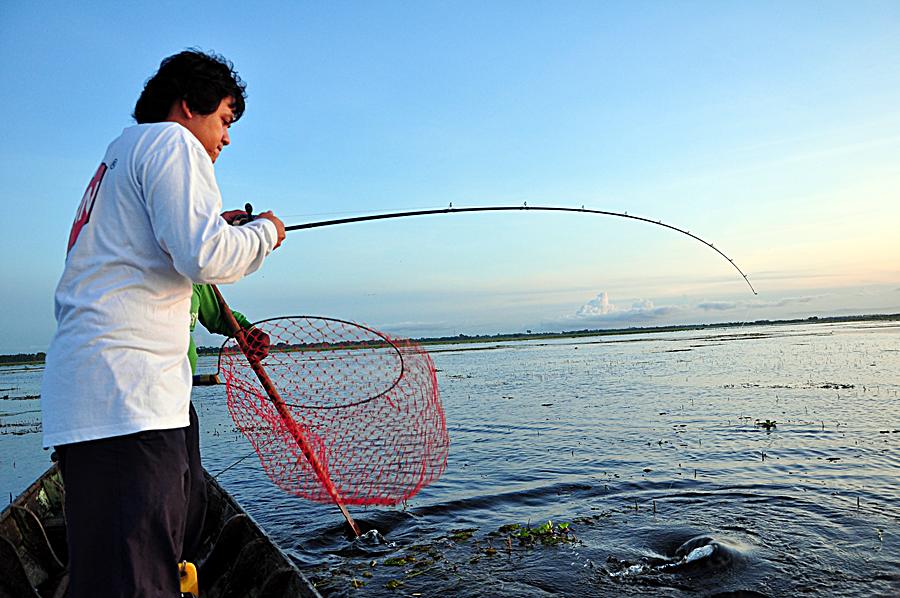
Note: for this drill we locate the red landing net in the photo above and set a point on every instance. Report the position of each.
(367, 404)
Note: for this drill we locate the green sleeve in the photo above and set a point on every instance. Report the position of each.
(192, 347)
(205, 307)
(210, 315)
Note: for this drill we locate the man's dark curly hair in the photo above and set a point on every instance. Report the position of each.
(202, 79)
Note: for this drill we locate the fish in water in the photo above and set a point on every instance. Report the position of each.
(699, 554)
(705, 553)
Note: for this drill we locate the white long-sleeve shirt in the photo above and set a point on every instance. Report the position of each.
(148, 227)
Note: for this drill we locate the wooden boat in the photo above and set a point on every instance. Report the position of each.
(240, 560)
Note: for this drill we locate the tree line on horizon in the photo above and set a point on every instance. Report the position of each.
(29, 358)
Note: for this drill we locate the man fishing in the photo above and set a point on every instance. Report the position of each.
(117, 383)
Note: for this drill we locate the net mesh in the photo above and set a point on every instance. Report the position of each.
(367, 405)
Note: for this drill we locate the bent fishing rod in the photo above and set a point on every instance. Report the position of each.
(524, 207)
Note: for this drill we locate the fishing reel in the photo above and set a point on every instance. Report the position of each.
(238, 218)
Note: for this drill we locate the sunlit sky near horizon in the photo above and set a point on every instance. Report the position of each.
(771, 129)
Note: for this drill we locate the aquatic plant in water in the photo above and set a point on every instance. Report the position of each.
(546, 534)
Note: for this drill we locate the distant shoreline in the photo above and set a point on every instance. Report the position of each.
(38, 358)
(525, 336)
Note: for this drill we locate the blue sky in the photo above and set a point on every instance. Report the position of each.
(772, 129)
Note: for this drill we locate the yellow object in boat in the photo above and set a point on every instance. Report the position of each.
(189, 582)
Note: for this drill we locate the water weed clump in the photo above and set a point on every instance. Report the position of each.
(546, 534)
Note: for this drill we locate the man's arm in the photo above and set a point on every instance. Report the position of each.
(211, 316)
(183, 203)
(210, 312)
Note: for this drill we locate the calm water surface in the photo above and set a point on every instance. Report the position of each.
(646, 445)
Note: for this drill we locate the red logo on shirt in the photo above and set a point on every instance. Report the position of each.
(83, 215)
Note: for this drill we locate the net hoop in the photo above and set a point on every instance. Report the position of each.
(381, 335)
(367, 405)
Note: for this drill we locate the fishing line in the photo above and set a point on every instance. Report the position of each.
(247, 456)
(349, 415)
(524, 207)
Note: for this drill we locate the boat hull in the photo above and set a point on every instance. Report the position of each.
(239, 559)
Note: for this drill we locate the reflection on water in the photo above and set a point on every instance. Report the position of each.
(761, 459)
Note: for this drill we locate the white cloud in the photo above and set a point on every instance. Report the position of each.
(597, 306)
(599, 311)
(643, 305)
